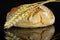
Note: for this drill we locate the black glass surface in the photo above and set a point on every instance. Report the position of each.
(6, 5)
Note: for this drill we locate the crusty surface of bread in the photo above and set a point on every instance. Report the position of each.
(30, 16)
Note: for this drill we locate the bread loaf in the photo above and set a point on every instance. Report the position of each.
(29, 16)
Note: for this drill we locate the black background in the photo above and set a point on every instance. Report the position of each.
(6, 5)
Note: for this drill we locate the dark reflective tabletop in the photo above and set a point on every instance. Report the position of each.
(6, 6)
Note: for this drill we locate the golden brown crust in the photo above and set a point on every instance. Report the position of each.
(39, 16)
(12, 11)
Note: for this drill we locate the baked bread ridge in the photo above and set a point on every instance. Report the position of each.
(34, 15)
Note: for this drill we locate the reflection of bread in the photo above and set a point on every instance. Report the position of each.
(30, 34)
(29, 16)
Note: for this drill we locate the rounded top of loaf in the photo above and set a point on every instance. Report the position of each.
(30, 16)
